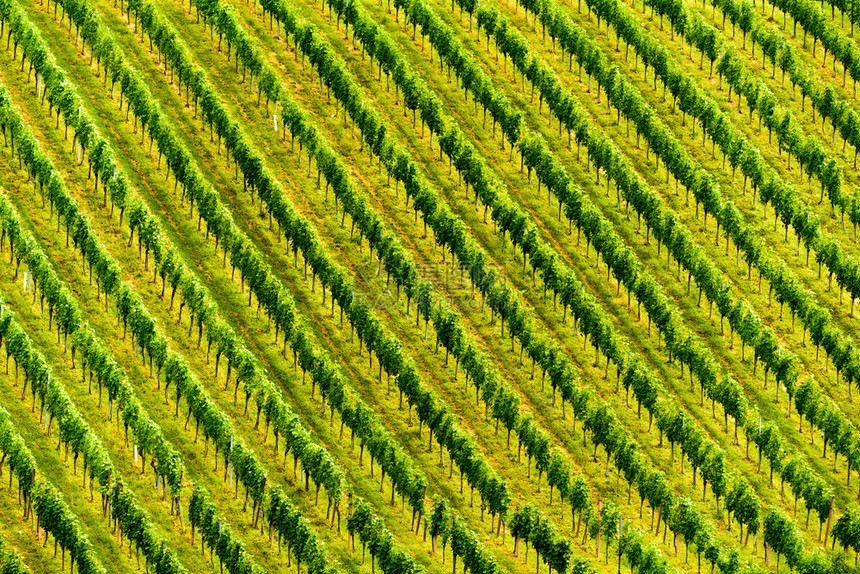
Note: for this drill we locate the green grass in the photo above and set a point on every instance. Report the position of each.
(705, 241)
(240, 306)
(106, 324)
(149, 182)
(500, 82)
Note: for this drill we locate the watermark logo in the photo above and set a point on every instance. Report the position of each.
(380, 289)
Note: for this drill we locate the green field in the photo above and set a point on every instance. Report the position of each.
(425, 286)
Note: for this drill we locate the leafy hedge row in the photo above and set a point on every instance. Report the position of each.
(384, 549)
(63, 306)
(11, 562)
(803, 481)
(835, 428)
(140, 219)
(240, 47)
(532, 525)
(131, 310)
(814, 22)
(255, 271)
(465, 449)
(296, 437)
(147, 16)
(778, 119)
(825, 414)
(809, 151)
(815, 318)
(236, 42)
(782, 197)
(241, 52)
(775, 453)
(97, 358)
(216, 533)
(54, 515)
(842, 113)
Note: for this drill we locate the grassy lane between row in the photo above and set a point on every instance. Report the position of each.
(771, 314)
(607, 206)
(153, 396)
(239, 306)
(537, 201)
(262, 124)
